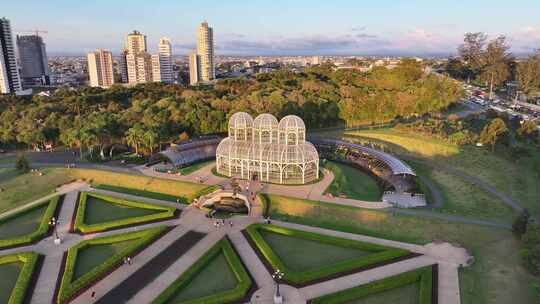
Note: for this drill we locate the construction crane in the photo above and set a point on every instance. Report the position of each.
(36, 31)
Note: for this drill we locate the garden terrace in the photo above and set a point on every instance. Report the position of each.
(217, 277)
(307, 257)
(98, 213)
(86, 263)
(413, 287)
(28, 225)
(16, 276)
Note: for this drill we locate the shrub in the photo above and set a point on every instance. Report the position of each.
(228, 296)
(29, 260)
(21, 163)
(380, 253)
(531, 249)
(265, 201)
(423, 275)
(81, 226)
(40, 232)
(69, 287)
(519, 226)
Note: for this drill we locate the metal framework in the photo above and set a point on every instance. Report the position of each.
(274, 152)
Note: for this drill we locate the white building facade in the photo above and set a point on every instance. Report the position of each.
(10, 80)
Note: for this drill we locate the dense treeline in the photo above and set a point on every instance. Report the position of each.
(147, 115)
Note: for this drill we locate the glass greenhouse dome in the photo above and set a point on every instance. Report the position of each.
(268, 150)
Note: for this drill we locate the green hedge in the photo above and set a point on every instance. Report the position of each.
(143, 193)
(380, 253)
(265, 201)
(69, 288)
(29, 260)
(204, 191)
(40, 232)
(81, 226)
(422, 275)
(228, 296)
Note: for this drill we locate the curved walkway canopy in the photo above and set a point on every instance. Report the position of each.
(396, 166)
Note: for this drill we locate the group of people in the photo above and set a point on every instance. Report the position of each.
(127, 260)
(221, 223)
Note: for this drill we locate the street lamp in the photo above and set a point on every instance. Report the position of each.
(54, 223)
(277, 276)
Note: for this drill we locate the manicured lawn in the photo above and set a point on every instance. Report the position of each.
(141, 182)
(195, 167)
(24, 188)
(352, 182)
(407, 294)
(98, 213)
(215, 277)
(25, 223)
(497, 276)
(99, 210)
(8, 277)
(143, 193)
(301, 254)
(93, 255)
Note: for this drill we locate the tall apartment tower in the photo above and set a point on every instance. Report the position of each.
(138, 61)
(33, 60)
(10, 81)
(165, 62)
(202, 67)
(100, 68)
(122, 66)
(193, 68)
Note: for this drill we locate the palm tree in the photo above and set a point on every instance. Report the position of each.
(134, 137)
(150, 139)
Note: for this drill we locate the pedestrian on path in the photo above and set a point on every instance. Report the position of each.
(129, 260)
(93, 295)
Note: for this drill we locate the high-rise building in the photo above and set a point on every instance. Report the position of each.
(10, 81)
(165, 61)
(138, 61)
(136, 42)
(156, 68)
(204, 63)
(193, 68)
(122, 66)
(100, 68)
(33, 60)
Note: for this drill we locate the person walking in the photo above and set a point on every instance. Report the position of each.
(93, 295)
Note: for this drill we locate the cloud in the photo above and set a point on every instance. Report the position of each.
(358, 29)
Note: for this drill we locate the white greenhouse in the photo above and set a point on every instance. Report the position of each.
(271, 151)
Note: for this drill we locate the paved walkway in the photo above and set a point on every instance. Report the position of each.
(447, 256)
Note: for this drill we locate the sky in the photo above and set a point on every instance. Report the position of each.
(279, 27)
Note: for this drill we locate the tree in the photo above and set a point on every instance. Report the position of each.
(496, 59)
(528, 129)
(492, 132)
(21, 164)
(519, 227)
(471, 51)
(134, 136)
(528, 73)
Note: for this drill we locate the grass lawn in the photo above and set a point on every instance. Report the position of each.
(409, 143)
(497, 276)
(99, 211)
(141, 182)
(352, 182)
(195, 167)
(22, 224)
(215, 277)
(137, 192)
(24, 188)
(8, 277)
(301, 254)
(516, 177)
(93, 255)
(465, 199)
(407, 294)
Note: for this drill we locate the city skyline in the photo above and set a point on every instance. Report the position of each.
(300, 28)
